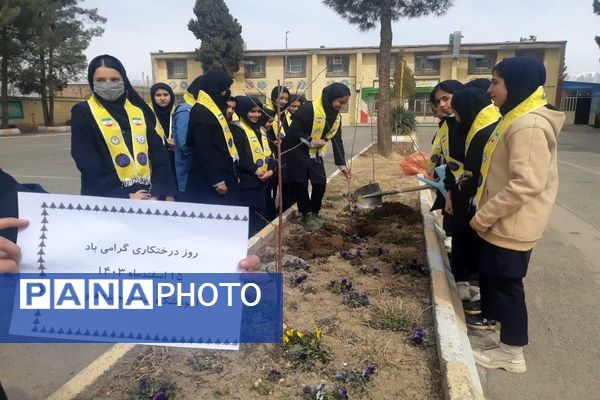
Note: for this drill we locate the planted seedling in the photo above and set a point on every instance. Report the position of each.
(152, 389)
(303, 350)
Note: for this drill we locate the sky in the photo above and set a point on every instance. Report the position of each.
(135, 28)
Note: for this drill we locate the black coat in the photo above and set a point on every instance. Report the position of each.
(300, 166)
(9, 206)
(92, 157)
(211, 163)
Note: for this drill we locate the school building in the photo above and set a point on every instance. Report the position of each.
(309, 70)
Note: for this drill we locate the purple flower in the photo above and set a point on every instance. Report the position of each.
(142, 384)
(347, 284)
(161, 396)
(340, 376)
(274, 374)
(418, 335)
(342, 393)
(307, 390)
(370, 370)
(298, 279)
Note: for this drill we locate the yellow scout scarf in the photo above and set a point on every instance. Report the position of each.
(484, 118)
(437, 154)
(260, 151)
(159, 128)
(208, 102)
(130, 170)
(235, 117)
(319, 126)
(533, 102)
(288, 117)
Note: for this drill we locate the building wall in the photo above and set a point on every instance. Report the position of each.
(362, 70)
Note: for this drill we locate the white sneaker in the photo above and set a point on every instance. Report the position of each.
(448, 243)
(463, 290)
(509, 358)
(484, 341)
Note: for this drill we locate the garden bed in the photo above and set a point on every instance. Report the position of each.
(357, 306)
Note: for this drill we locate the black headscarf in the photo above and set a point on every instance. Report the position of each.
(451, 86)
(329, 94)
(277, 90)
(468, 103)
(243, 106)
(297, 97)
(214, 83)
(194, 87)
(481, 83)
(163, 113)
(522, 76)
(115, 108)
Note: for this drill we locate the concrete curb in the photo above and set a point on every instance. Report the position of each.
(460, 380)
(86, 377)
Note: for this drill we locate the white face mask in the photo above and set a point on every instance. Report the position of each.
(109, 91)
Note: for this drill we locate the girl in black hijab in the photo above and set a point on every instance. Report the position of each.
(314, 125)
(213, 174)
(113, 139)
(163, 106)
(477, 117)
(441, 97)
(256, 165)
(515, 196)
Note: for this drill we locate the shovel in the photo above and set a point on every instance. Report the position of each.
(373, 200)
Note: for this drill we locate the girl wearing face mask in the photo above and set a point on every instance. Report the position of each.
(163, 106)
(314, 125)
(213, 173)
(113, 139)
(516, 192)
(256, 164)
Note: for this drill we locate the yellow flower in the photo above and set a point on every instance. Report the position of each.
(286, 339)
(318, 333)
(300, 334)
(289, 332)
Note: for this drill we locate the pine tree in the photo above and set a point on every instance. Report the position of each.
(221, 45)
(597, 11)
(10, 11)
(366, 14)
(58, 36)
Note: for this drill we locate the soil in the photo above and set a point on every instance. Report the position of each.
(382, 253)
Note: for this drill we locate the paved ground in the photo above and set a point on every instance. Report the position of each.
(34, 371)
(562, 286)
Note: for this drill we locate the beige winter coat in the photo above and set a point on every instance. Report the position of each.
(522, 182)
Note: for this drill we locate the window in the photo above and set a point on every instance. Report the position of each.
(394, 61)
(425, 65)
(296, 67)
(538, 54)
(176, 69)
(338, 65)
(255, 67)
(482, 62)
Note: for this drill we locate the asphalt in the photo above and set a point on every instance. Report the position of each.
(35, 371)
(562, 285)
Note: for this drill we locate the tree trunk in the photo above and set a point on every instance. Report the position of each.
(51, 92)
(384, 132)
(5, 116)
(43, 90)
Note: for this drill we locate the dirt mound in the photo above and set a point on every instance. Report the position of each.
(316, 244)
